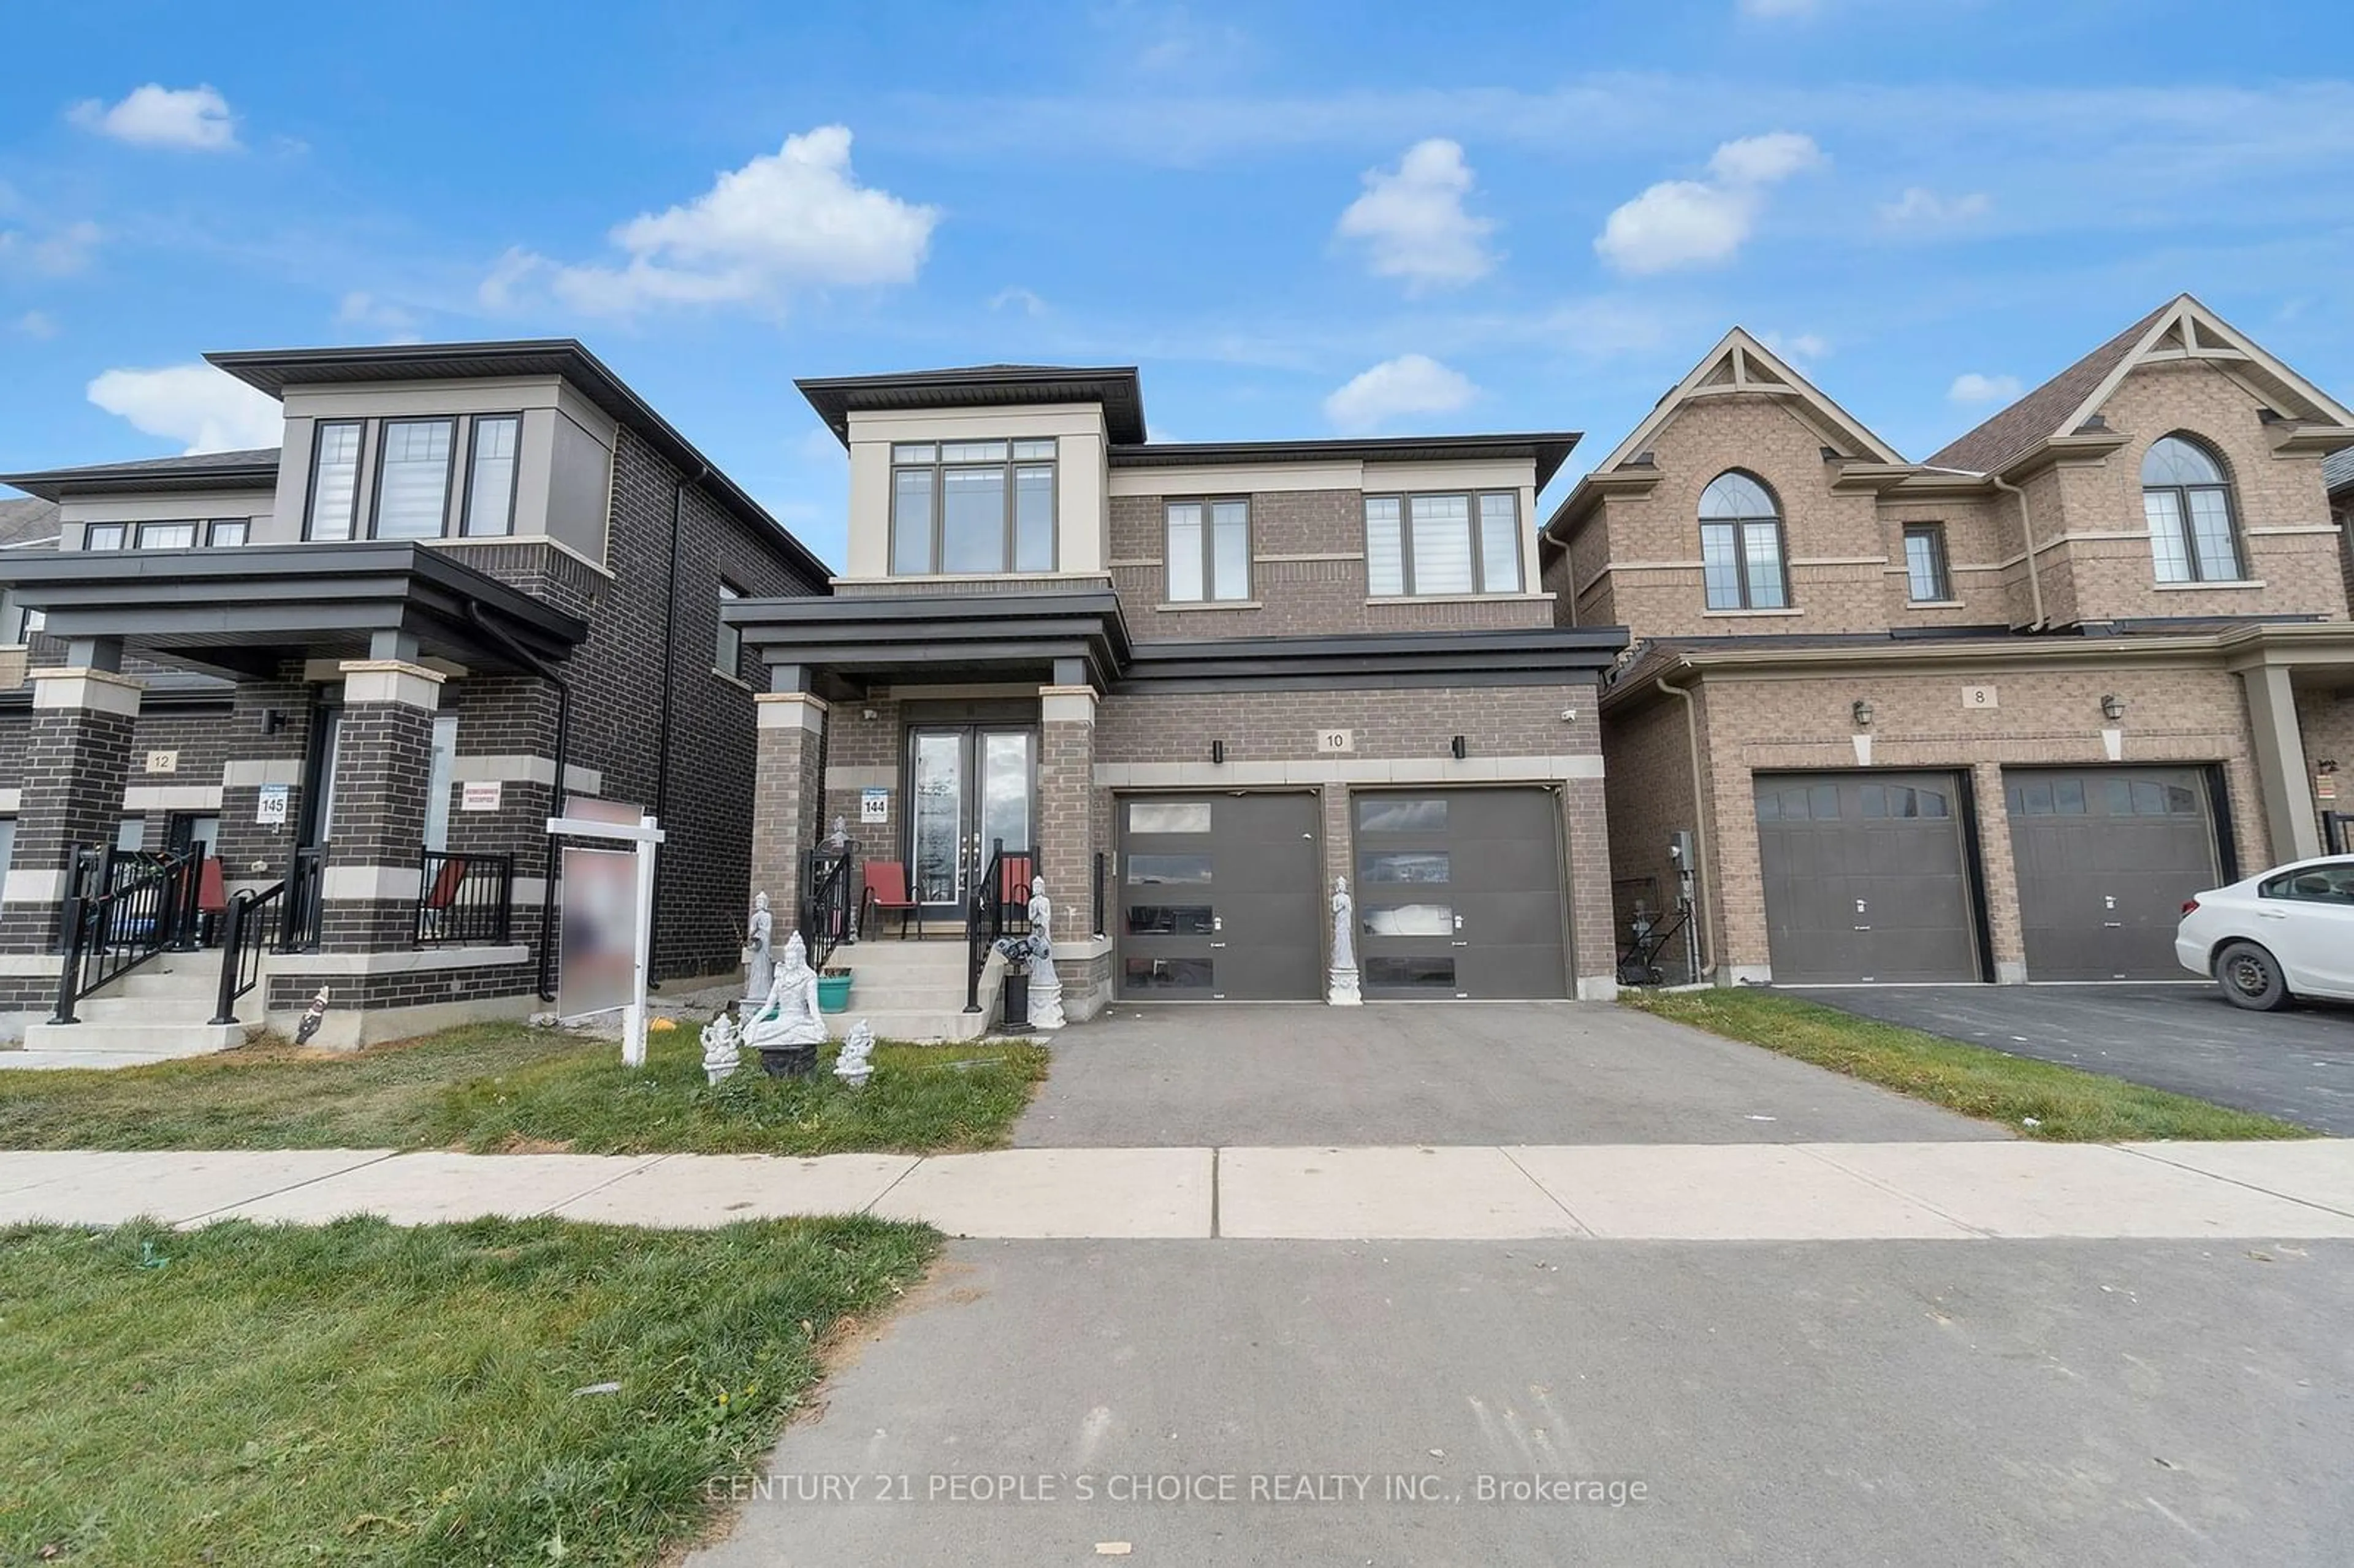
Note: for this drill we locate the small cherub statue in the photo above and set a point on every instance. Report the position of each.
(720, 1055)
(851, 1065)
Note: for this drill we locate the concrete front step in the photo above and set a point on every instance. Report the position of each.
(175, 1009)
(197, 976)
(910, 1023)
(900, 957)
(157, 1040)
(897, 996)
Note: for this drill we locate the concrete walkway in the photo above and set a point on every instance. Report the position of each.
(1807, 1191)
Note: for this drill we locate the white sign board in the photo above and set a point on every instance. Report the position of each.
(1329, 741)
(874, 805)
(607, 952)
(269, 807)
(479, 795)
(1980, 697)
(163, 762)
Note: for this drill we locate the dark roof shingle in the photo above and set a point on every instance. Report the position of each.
(26, 523)
(2337, 471)
(2036, 416)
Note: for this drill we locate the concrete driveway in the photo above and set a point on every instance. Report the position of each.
(1490, 1072)
(2297, 1065)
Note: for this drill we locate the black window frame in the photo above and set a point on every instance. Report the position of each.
(311, 496)
(449, 473)
(730, 638)
(213, 526)
(1740, 526)
(121, 532)
(474, 423)
(2182, 495)
(1473, 497)
(195, 533)
(937, 467)
(1210, 595)
(1940, 563)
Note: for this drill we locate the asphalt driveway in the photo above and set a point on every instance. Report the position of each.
(2297, 1065)
(1487, 1073)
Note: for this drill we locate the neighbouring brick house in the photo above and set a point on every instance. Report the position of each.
(1989, 716)
(1190, 684)
(354, 664)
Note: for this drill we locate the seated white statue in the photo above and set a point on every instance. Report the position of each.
(791, 1016)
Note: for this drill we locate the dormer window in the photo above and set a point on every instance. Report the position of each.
(2186, 497)
(972, 508)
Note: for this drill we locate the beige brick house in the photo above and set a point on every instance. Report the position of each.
(1189, 685)
(1988, 717)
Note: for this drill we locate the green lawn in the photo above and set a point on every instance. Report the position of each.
(504, 1087)
(363, 1394)
(2038, 1099)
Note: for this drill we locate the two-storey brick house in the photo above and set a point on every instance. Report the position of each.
(355, 666)
(1190, 685)
(1989, 716)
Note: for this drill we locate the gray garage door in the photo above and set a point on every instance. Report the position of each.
(2105, 857)
(1866, 877)
(1219, 898)
(1458, 893)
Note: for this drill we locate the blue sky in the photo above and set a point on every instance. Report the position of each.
(1298, 220)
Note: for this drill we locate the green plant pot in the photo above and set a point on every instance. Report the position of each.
(834, 993)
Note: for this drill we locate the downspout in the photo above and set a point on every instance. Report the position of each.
(670, 657)
(1702, 859)
(2027, 532)
(541, 668)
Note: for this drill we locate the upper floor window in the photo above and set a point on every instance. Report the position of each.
(412, 478)
(491, 475)
(728, 657)
(334, 479)
(965, 508)
(1443, 543)
(1209, 551)
(1928, 579)
(1741, 544)
(164, 535)
(2193, 537)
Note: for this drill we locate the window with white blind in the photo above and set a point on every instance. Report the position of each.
(1461, 543)
(491, 470)
(969, 508)
(1209, 553)
(412, 478)
(334, 479)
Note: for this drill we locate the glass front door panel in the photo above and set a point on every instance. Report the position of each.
(937, 859)
(972, 787)
(1005, 790)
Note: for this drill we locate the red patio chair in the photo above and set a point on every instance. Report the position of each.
(886, 891)
(1013, 888)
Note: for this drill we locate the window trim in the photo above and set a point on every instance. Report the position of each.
(1472, 497)
(1942, 566)
(311, 496)
(1740, 527)
(2182, 493)
(195, 533)
(449, 473)
(731, 636)
(121, 532)
(1210, 596)
(514, 477)
(1008, 467)
(213, 525)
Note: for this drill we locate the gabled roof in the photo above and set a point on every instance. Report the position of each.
(836, 398)
(257, 467)
(2181, 329)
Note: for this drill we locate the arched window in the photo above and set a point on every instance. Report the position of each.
(2194, 536)
(1741, 544)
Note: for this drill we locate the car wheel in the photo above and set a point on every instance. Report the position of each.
(2251, 977)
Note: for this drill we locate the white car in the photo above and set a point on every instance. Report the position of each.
(2287, 933)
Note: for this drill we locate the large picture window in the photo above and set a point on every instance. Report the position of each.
(1453, 543)
(1209, 551)
(412, 478)
(334, 479)
(970, 508)
(1742, 560)
(2194, 534)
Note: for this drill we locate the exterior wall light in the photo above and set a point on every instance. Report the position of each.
(1459, 749)
(1218, 751)
(1863, 712)
(2112, 707)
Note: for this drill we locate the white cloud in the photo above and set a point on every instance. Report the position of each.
(36, 325)
(206, 409)
(788, 221)
(196, 118)
(379, 318)
(1412, 222)
(1019, 299)
(1920, 207)
(54, 254)
(1798, 345)
(1396, 388)
(1695, 223)
(1973, 387)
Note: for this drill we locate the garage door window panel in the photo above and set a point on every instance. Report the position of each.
(1150, 974)
(1432, 974)
(1163, 870)
(1401, 816)
(1416, 866)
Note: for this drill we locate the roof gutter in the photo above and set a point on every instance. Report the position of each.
(2027, 532)
(1702, 859)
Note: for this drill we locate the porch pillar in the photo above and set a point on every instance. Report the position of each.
(788, 796)
(77, 760)
(2290, 819)
(383, 758)
(270, 737)
(1067, 768)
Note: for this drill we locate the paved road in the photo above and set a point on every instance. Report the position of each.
(1490, 1072)
(2297, 1065)
(1908, 1403)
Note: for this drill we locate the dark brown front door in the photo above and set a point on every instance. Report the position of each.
(2105, 856)
(1219, 898)
(1866, 877)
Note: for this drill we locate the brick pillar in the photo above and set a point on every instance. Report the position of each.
(269, 728)
(1594, 976)
(384, 757)
(77, 760)
(1066, 784)
(788, 795)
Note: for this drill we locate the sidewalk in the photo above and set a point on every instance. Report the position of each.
(1807, 1191)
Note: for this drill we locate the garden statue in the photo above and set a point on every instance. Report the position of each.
(760, 955)
(1341, 990)
(852, 1067)
(788, 1028)
(719, 1054)
(839, 839)
(1046, 986)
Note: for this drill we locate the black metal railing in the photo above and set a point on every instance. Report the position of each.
(463, 900)
(826, 908)
(1095, 894)
(990, 914)
(298, 927)
(121, 911)
(246, 935)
